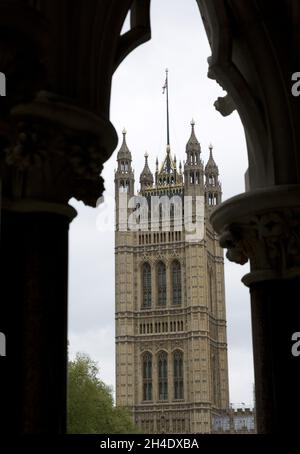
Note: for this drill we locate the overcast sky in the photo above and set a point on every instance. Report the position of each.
(180, 44)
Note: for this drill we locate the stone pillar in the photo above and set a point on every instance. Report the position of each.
(257, 71)
(263, 226)
(34, 280)
(55, 152)
(53, 146)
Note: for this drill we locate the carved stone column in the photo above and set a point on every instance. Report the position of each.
(52, 147)
(55, 152)
(263, 226)
(255, 68)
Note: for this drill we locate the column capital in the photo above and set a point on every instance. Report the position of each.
(56, 151)
(262, 226)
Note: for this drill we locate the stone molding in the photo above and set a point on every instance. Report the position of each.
(262, 226)
(56, 151)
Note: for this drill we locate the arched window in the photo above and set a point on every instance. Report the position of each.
(147, 376)
(161, 284)
(178, 374)
(162, 367)
(146, 285)
(176, 282)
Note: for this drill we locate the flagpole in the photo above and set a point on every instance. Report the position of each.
(168, 127)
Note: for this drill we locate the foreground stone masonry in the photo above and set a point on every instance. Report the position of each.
(55, 135)
(54, 140)
(44, 45)
(262, 225)
(269, 239)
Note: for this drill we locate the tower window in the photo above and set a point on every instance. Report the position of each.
(176, 282)
(146, 285)
(161, 284)
(178, 374)
(162, 376)
(211, 199)
(147, 376)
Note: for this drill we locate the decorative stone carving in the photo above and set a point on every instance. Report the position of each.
(225, 105)
(28, 149)
(265, 229)
(67, 137)
(57, 151)
(146, 347)
(251, 73)
(160, 346)
(177, 344)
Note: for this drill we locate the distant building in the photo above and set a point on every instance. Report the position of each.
(240, 420)
(171, 346)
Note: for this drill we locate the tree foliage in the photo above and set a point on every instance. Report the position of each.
(90, 403)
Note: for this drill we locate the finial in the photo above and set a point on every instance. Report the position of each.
(193, 123)
(168, 149)
(210, 150)
(124, 132)
(156, 163)
(146, 156)
(167, 70)
(175, 158)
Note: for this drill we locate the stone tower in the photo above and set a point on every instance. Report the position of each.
(171, 347)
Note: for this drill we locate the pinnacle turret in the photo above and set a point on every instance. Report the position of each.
(146, 177)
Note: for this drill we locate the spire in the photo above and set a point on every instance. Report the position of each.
(193, 144)
(193, 167)
(213, 191)
(193, 149)
(124, 152)
(124, 175)
(146, 177)
(168, 165)
(211, 166)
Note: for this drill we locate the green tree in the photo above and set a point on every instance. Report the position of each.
(90, 402)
